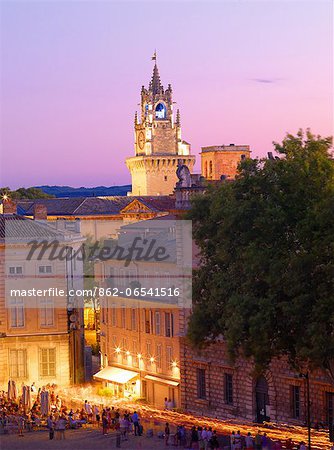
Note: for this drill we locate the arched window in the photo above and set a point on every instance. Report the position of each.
(160, 111)
(210, 169)
(206, 169)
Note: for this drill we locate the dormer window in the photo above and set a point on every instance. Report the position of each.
(160, 111)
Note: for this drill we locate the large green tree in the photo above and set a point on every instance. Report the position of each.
(267, 243)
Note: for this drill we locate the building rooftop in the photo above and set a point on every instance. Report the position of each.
(93, 206)
(226, 148)
(18, 228)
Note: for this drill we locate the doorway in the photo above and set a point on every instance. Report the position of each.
(262, 400)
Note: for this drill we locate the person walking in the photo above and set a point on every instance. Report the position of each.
(89, 411)
(61, 427)
(104, 424)
(167, 433)
(237, 441)
(135, 421)
(258, 441)
(265, 442)
(205, 438)
(97, 417)
(249, 442)
(50, 426)
(232, 440)
(200, 440)
(214, 444)
(194, 438)
(20, 425)
(123, 424)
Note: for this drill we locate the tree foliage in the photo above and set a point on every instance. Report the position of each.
(267, 272)
(24, 193)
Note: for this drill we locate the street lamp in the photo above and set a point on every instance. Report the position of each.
(307, 378)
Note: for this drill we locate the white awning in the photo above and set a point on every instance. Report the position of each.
(161, 380)
(115, 374)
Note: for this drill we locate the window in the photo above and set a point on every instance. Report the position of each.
(17, 313)
(70, 225)
(124, 350)
(103, 311)
(18, 363)
(160, 111)
(17, 270)
(45, 269)
(165, 177)
(157, 322)
(147, 315)
(135, 352)
(295, 401)
(114, 341)
(210, 169)
(46, 312)
(228, 389)
(47, 362)
(330, 408)
(158, 358)
(114, 316)
(148, 349)
(123, 317)
(133, 319)
(201, 388)
(169, 357)
(169, 325)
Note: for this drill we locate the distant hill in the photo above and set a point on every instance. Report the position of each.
(98, 191)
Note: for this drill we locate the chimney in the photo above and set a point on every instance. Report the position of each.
(40, 212)
(9, 207)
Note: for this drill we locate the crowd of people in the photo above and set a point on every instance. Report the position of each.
(46, 409)
(204, 438)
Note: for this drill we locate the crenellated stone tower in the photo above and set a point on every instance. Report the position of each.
(159, 148)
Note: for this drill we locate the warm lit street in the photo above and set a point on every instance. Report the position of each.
(90, 437)
(84, 439)
(155, 419)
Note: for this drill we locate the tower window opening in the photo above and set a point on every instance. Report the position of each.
(165, 177)
(160, 111)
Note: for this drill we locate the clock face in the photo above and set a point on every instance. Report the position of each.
(141, 140)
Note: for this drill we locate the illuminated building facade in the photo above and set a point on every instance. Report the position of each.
(140, 336)
(41, 338)
(222, 160)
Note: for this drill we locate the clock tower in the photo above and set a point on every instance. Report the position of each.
(159, 148)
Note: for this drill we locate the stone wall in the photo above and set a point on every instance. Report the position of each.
(280, 379)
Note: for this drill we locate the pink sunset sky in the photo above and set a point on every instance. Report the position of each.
(242, 72)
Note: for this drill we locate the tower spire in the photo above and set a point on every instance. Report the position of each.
(155, 83)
